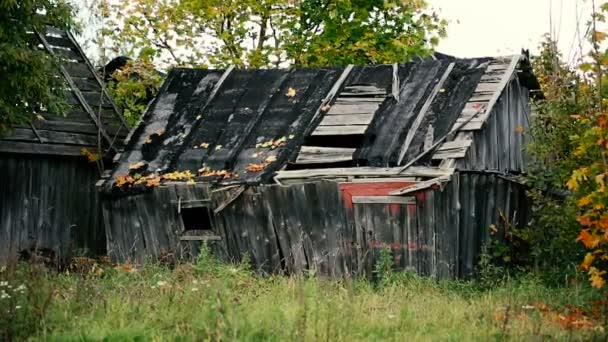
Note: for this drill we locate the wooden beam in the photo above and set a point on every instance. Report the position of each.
(40, 149)
(413, 130)
(421, 186)
(200, 238)
(339, 130)
(354, 108)
(383, 200)
(347, 120)
(396, 86)
(323, 155)
(414, 171)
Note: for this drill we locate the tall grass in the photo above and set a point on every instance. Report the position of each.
(213, 301)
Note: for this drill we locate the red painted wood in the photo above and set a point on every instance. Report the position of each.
(369, 189)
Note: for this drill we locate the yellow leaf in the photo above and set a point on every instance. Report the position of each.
(520, 129)
(589, 258)
(584, 201)
(40, 117)
(600, 36)
(291, 92)
(572, 184)
(137, 165)
(218, 147)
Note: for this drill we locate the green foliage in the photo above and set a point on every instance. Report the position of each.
(271, 33)
(133, 86)
(361, 32)
(28, 86)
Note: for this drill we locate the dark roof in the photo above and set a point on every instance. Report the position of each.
(254, 123)
(53, 134)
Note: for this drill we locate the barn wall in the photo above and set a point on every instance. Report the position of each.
(50, 204)
(314, 227)
(464, 210)
(500, 144)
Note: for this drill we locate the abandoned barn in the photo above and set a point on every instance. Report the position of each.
(319, 169)
(48, 201)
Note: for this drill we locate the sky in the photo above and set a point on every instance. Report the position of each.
(502, 27)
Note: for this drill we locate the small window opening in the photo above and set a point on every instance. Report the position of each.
(197, 218)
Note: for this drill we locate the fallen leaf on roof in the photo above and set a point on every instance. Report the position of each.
(291, 92)
(160, 132)
(256, 167)
(255, 155)
(291, 136)
(204, 145)
(40, 117)
(271, 159)
(91, 156)
(218, 147)
(199, 117)
(325, 108)
(137, 166)
(147, 140)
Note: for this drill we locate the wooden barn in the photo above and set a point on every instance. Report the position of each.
(316, 170)
(48, 201)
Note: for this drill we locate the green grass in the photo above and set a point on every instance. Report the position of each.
(210, 301)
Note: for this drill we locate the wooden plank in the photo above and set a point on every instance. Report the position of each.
(86, 84)
(61, 42)
(329, 97)
(481, 97)
(421, 185)
(451, 154)
(361, 99)
(24, 134)
(395, 85)
(200, 238)
(486, 87)
(383, 200)
(423, 111)
(346, 120)
(363, 89)
(354, 108)
(317, 155)
(78, 70)
(455, 144)
(37, 148)
(414, 171)
(339, 130)
(68, 55)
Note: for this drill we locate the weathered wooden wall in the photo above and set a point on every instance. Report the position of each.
(49, 203)
(500, 144)
(314, 227)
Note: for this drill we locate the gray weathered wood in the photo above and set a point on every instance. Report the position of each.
(414, 171)
(359, 108)
(322, 155)
(423, 111)
(347, 120)
(340, 130)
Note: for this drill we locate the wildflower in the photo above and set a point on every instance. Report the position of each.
(3, 283)
(20, 288)
(195, 282)
(161, 283)
(4, 295)
(18, 307)
(194, 289)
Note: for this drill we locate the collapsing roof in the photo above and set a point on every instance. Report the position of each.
(93, 121)
(261, 126)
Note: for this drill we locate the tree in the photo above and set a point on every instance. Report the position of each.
(272, 33)
(361, 32)
(28, 85)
